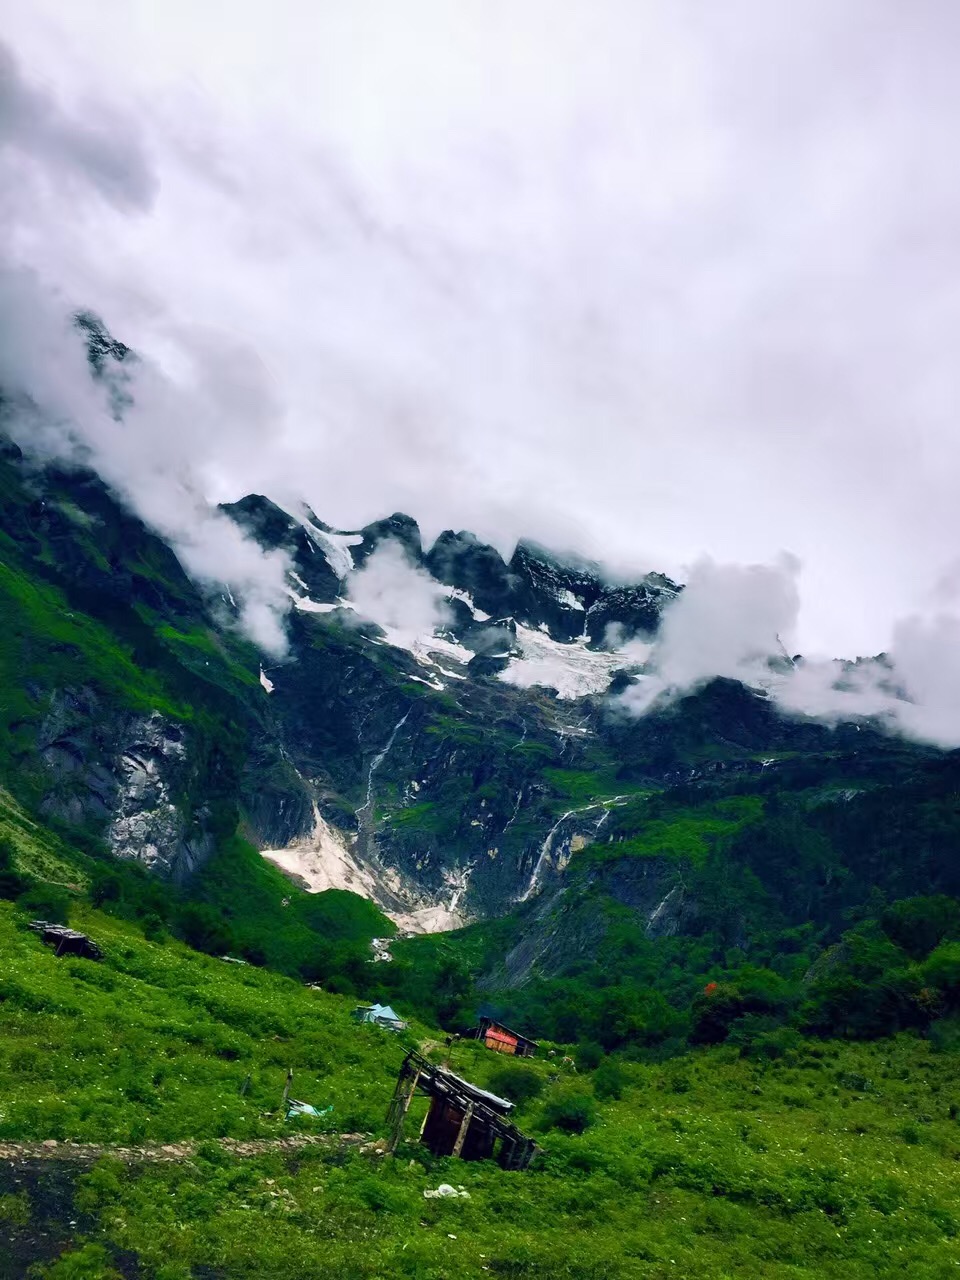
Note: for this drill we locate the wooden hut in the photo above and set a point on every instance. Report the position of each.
(502, 1040)
(462, 1119)
(66, 942)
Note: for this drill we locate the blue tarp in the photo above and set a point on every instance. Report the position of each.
(381, 1015)
(305, 1109)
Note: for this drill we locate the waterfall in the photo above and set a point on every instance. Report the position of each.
(547, 847)
(513, 816)
(535, 878)
(376, 762)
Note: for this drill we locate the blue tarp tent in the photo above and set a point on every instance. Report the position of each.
(381, 1015)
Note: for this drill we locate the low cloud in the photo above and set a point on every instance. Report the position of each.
(729, 620)
(400, 597)
(737, 621)
(154, 440)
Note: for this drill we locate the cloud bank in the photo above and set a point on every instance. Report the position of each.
(686, 283)
(738, 621)
(154, 453)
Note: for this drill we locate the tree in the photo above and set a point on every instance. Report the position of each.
(920, 924)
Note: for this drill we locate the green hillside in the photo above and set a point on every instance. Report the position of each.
(833, 1159)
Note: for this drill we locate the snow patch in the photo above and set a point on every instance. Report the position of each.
(566, 597)
(573, 669)
(457, 593)
(335, 546)
(306, 605)
(266, 681)
(431, 684)
(422, 647)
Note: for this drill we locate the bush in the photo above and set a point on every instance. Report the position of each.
(89, 1262)
(610, 1079)
(154, 930)
(589, 1056)
(571, 1112)
(46, 902)
(920, 924)
(942, 970)
(204, 929)
(759, 1037)
(516, 1083)
(12, 884)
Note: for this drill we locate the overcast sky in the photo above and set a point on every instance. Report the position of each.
(647, 280)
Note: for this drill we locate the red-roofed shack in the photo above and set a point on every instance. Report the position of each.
(502, 1040)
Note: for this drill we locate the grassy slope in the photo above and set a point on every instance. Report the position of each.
(838, 1160)
(37, 851)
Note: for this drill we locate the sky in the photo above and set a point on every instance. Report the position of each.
(651, 281)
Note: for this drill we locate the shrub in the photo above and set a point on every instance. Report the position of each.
(90, 1262)
(758, 1037)
(942, 970)
(589, 1056)
(573, 1112)
(920, 924)
(609, 1079)
(153, 927)
(12, 884)
(516, 1083)
(46, 902)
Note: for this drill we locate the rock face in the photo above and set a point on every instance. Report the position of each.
(126, 775)
(146, 821)
(567, 922)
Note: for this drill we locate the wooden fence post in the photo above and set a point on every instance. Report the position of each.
(402, 1107)
(464, 1126)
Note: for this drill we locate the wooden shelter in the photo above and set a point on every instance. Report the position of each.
(502, 1040)
(67, 942)
(462, 1120)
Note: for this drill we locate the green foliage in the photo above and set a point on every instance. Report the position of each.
(836, 1159)
(89, 1262)
(941, 970)
(686, 834)
(610, 1080)
(239, 902)
(46, 902)
(573, 1111)
(517, 1083)
(154, 1043)
(919, 924)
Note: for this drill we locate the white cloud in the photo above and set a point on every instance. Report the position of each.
(156, 455)
(738, 621)
(400, 597)
(684, 283)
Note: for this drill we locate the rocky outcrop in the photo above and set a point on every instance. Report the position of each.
(147, 823)
(123, 776)
(567, 922)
